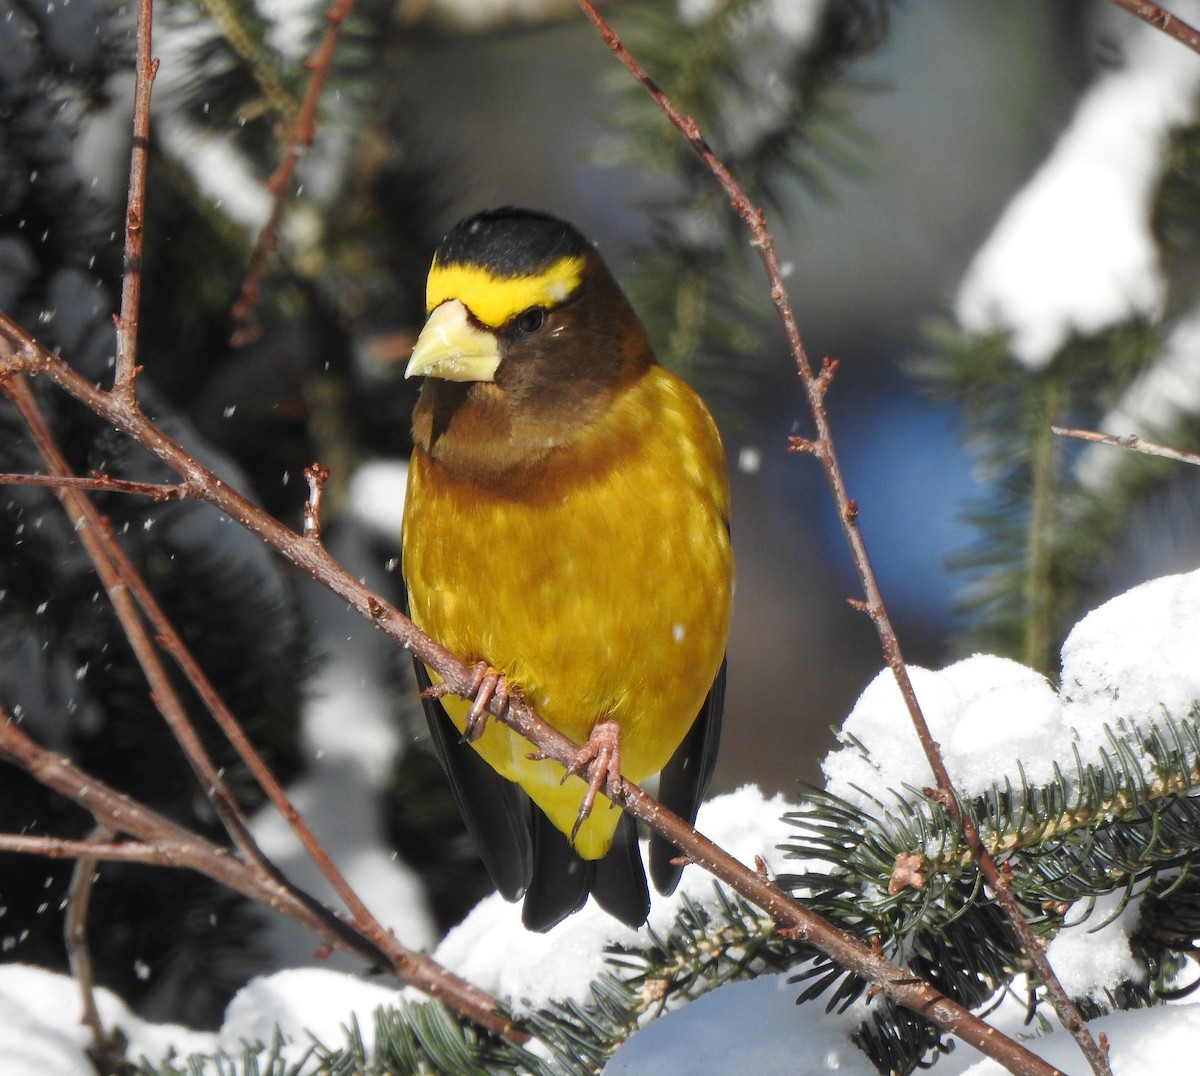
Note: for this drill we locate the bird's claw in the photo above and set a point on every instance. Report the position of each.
(486, 684)
(600, 759)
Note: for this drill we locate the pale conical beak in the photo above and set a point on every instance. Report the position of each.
(452, 348)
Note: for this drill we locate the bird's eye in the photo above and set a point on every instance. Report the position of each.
(529, 321)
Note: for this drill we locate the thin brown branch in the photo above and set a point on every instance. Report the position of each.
(1161, 19)
(107, 1048)
(1130, 441)
(93, 532)
(300, 138)
(169, 640)
(118, 851)
(822, 446)
(179, 847)
(311, 557)
(135, 209)
(102, 483)
(120, 576)
(316, 476)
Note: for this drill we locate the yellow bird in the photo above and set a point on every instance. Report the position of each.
(565, 526)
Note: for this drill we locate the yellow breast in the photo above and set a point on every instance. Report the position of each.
(603, 590)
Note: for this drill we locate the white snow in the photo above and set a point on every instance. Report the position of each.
(305, 1004)
(1145, 1042)
(772, 1032)
(1135, 656)
(985, 711)
(1122, 665)
(376, 496)
(1098, 953)
(1073, 251)
(1165, 393)
(1125, 662)
(491, 949)
(41, 1033)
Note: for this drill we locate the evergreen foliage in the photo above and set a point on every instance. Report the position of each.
(314, 386)
(1048, 538)
(773, 106)
(171, 940)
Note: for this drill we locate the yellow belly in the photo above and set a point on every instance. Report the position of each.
(605, 596)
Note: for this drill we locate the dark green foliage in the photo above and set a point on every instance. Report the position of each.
(1038, 562)
(774, 110)
(1126, 824)
(1048, 541)
(171, 941)
(703, 950)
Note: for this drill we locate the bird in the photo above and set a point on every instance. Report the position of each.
(566, 533)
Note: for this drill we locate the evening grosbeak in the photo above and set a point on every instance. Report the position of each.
(565, 529)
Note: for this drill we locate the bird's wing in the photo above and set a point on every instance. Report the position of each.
(497, 812)
(619, 885)
(561, 880)
(684, 781)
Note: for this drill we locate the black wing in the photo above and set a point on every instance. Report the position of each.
(619, 885)
(561, 880)
(685, 779)
(496, 811)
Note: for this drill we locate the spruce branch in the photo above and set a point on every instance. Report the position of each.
(233, 29)
(822, 446)
(1125, 823)
(20, 354)
(124, 585)
(93, 532)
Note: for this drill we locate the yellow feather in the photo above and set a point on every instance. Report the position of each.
(604, 597)
(494, 299)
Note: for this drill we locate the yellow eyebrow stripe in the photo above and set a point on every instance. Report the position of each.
(494, 299)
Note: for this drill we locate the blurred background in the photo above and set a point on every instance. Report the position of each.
(886, 140)
(934, 131)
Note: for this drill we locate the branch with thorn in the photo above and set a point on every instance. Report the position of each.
(822, 447)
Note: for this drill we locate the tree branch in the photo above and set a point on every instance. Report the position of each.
(1131, 441)
(1161, 19)
(822, 446)
(169, 844)
(135, 209)
(300, 138)
(19, 353)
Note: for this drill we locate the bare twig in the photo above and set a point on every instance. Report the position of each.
(93, 532)
(98, 481)
(1131, 441)
(822, 446)
(316, 476)
(119, 576)
(888, 978)
(1161, 19)
(135, 210)
(118, 851)
(108, 1048)
(300, 138)
(181, 848)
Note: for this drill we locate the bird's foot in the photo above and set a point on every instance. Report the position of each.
(600, 760)
(486, 684)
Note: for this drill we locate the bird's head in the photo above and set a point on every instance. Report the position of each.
(527, 341)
